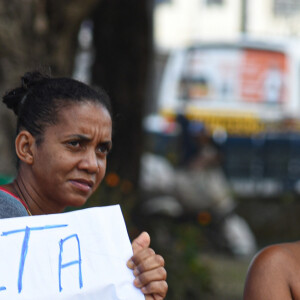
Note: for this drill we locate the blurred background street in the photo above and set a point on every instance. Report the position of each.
(206, 100)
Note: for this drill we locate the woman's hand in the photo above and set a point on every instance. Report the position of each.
(148, 269)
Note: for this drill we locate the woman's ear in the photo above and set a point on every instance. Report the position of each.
(24, 144)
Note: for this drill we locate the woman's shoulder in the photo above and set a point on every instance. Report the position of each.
(278, 254)
(273, 270)
(279, 260)
(10, 206)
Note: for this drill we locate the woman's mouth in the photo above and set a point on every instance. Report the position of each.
(82, 185)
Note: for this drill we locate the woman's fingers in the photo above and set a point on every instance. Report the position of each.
(141, 242)
(156, 275)
(148, 268)
(147, 262)
(153, 297)
(156, 289)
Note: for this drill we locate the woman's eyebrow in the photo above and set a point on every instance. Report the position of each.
(86, 138)
(80, 137)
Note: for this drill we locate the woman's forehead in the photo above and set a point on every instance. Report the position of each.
(78, 109)
(85, 116)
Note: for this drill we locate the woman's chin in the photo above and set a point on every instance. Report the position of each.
(76, 202)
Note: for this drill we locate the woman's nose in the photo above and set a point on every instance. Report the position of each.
(90, 162)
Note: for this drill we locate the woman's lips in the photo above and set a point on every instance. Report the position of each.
(82, 185)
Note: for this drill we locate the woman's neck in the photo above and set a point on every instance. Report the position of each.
(36, 204)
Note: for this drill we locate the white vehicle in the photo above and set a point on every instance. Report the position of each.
(244, 87)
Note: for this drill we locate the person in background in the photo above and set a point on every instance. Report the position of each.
(202, 186)
(64, 134)
(205, 181)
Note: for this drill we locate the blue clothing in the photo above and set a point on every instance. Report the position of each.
(11, 207)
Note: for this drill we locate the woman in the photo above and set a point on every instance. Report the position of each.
(64, 132)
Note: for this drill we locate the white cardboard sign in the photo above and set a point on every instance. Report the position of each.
(76, 255)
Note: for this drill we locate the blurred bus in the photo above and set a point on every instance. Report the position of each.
(247, 94)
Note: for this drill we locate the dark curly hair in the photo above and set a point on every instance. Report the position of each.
(39, 99)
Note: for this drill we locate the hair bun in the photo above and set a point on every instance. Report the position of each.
(15, 98)
(32, 78)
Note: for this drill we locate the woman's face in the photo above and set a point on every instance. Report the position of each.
(70, 162)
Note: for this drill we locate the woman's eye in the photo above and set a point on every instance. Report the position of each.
(104, 149)
(74, 144)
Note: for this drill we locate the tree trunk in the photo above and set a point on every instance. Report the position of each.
(123, 42)
(34, 34)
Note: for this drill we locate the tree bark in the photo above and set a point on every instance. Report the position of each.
(123, 42)
(34, 34)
